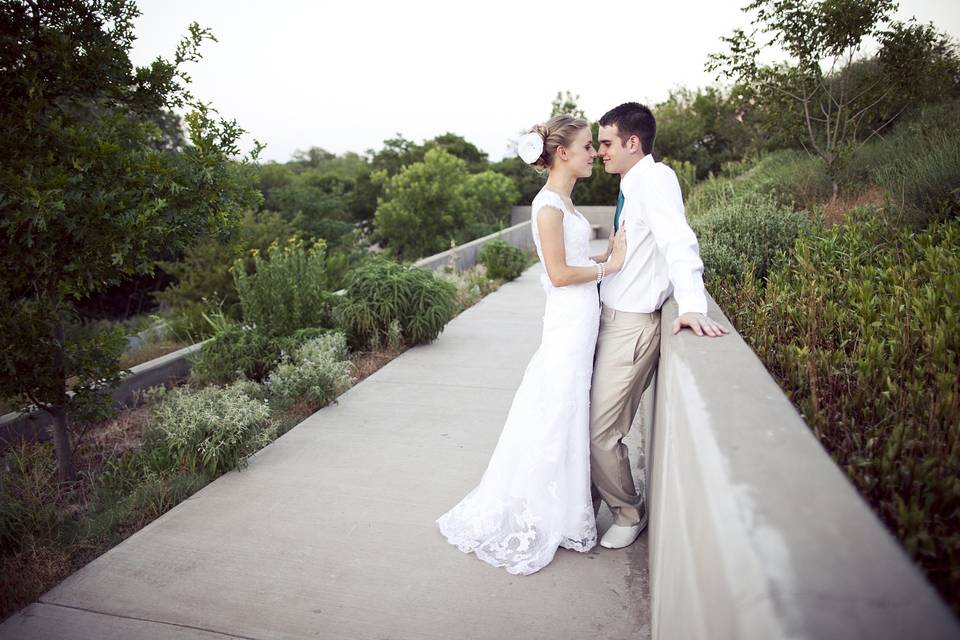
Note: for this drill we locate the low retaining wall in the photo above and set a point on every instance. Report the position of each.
(465, 256)
(755, 532)
(601, 216)
(33, 425)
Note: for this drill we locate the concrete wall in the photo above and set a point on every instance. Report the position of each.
(33, 425)
(601, 216)
(755, 533)
(465, 256)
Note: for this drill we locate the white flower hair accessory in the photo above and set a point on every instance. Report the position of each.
(530, 147)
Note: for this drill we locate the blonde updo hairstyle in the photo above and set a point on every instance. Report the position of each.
(558, 131)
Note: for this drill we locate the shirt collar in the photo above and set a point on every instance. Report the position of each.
(632, 176)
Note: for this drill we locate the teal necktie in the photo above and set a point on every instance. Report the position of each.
(616, 216)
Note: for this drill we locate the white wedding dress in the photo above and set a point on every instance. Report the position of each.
(535, 493)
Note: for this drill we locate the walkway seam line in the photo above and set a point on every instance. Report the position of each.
(170, 624)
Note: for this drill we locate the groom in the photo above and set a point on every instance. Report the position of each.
(662, 258)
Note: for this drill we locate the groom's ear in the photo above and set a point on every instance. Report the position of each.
(633, 143)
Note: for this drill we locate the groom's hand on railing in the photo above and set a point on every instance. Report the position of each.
(700, 323)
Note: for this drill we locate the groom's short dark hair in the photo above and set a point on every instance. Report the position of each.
(633, 119)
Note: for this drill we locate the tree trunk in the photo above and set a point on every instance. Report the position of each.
(61, 437)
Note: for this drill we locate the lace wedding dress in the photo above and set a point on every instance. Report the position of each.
(535, 494)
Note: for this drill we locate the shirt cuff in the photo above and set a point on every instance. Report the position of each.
(691, 302)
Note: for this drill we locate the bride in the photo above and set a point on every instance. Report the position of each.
(535, 493)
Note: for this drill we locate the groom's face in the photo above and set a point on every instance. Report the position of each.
(616, 157)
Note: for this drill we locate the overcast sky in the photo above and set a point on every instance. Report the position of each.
(346, 75)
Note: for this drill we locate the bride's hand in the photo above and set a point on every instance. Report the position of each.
(619, 252)
(610, 244)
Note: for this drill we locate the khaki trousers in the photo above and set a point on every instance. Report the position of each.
(628, 349)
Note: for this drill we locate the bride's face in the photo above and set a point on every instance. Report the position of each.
(580, 154)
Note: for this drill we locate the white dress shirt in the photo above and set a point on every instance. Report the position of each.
(663, 256)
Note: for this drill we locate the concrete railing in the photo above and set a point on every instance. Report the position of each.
(465, 256)
(755, 532)
(32, 425)
(600, 216)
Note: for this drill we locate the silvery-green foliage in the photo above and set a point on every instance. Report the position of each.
(394, 336)
(746, 234)
(472, 284)
(214, 428)
(318, 372)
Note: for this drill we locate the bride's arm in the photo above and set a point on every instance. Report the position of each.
(550, 228)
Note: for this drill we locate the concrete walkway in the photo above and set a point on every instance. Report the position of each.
(329, 533)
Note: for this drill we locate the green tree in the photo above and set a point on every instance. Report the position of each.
(459, 147)
(90, 191)
(489, 196)
(398, 153)
(704, 127)
(814, 92)
(423, 207)
(527, 181)
(567, 104)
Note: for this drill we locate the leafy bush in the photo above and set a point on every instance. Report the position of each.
(502, 260)
(287, 291)
(862, 331)
(214, 429)
(244, 353)
(383, 291)
(318, 372)
(235, 353)
(745, 234)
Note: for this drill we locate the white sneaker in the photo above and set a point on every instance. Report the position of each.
(619, 536)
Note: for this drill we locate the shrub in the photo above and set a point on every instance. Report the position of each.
(287, 291)
(472, 285)
(745, 234)
(862, 331)
(244, 354)
(318, 372)
(502, 260)
(214, 429)
(236, 352)
(383, 291)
